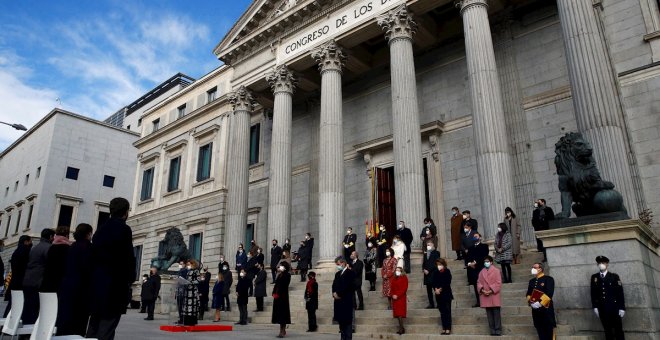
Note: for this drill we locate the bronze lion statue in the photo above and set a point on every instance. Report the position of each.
(580, 181)
(175, 250)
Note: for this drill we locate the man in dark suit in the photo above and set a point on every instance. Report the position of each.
(349, 242)
(358, 268)
(406, 236)
(468, 218)
(541, 218)
(343, 294)
(154, 285)
(429, 267)
(475, 257)
(467, 241)
(607, 299)
(275, 258)
(114, 271)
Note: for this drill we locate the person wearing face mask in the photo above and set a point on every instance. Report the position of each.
(260, 287)
(540, 291)
(309, 242)
(475, 257)
(260, 256)
(242, 288)
(370, 265)
(541, 218)
(275, 257)
(382, 245)
(311, 301)
(428, 236)
(253, 247)
(222, 262)
(304, 258)
(399, 250)
(428, 267)
(467, 218)
(286, 258)
(343, 295)
(217, 301)
(349, 242)
(405, 235)
(251, 270)
(513, 225)
(467, 241)
(607, 299)
(203, 287)
(281, 310)
(358, 268)
(503, 254)
(180, 290)
(386, 273)
(489, 285)
(226, 288)
(443, 294)
(287, 246)
(456, 222)
(190, 310)
(399, 299)
(241, 259)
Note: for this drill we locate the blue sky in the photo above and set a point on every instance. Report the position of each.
(97, 56)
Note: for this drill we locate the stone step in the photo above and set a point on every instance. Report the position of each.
(411, 320)
(465, 337)
(457, 311)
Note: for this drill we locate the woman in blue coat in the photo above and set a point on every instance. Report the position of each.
(217, 301)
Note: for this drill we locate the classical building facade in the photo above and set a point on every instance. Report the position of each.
(335, 112)
(63, 171)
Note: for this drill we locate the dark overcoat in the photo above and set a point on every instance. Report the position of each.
(242, 288)
(228, 279)
(73, 309)
(55, 268)
(113, 268)
(281, 310)
(260, 284)
(343, 285)
(477, 254)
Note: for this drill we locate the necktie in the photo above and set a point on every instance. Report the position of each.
(602, 275)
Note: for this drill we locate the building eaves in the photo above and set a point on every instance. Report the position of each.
(177, 79)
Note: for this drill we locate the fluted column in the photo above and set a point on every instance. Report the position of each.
(595, 97)
(488, 121)
(282, 83)
(331, 152)
(237, 195)
(399, 29)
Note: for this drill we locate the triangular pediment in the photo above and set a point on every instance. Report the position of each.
(263, 19)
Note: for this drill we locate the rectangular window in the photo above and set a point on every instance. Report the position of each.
(16, 186)
(211, 94)
(8, 225)
(147, 184)
(137, 252)
(29, 219)
(173, 177)
(6, 191)
(66, 215)
(139, 122)
(72, 173)
(18, 221)
(181, 111)
(156, 125)
(27, 179)
(38, 172)
(204, 162)
(254, 143)
(195, 246)
(108, 181)
(103, 217)
(249, 233)
(128, 127)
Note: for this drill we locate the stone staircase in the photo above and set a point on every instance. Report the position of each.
(376, 320)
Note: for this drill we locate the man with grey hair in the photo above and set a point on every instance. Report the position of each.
(343, 292)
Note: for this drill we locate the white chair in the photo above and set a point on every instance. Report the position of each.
(12, 324)
(45, 325)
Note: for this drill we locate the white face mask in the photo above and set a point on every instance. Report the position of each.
(382, 228)
(242, 274)
(281, 268)
(536, 205)
(397, 273)
(466, 230)
(535, 271)
(396, 241)
(348, 232)
(222, 259)
(400, 226)
(428, 231)
(387, 253)
(180, 266)
(602, 267)
(429, 248)
(371, 244)
(428, 225)
(306, 237)
(224, 268)
(499, 229)
(465, 217)
(454, 212)
(188, 267)
(441, 268)
(340, 268)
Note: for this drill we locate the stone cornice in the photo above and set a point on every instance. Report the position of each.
(282, 80)
(241, 100)
(398, 24)
(329, 56)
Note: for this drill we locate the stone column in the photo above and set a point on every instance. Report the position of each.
(488, 121)
(331, 153)
(408, 170)
(595, 97)
(237, 195)
(282, 83)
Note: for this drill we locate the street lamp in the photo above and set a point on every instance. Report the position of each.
(19, 127)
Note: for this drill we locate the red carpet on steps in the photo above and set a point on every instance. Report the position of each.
(197, 328)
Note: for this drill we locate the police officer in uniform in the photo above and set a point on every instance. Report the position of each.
(349, 243)
(539, 296)
(607, 299)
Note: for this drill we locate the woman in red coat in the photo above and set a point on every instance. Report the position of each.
(387, 273)
(399, 288)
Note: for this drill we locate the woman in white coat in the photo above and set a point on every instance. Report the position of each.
(399, 248)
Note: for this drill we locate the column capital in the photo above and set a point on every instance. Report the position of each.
(282, 80)
(241, 100)
(329, 56)
(398, 24)
(464, 4)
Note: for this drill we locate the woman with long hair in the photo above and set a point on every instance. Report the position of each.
(513, 225)
(399, 289)
(503, 254)
(217, 302)
(387, 273)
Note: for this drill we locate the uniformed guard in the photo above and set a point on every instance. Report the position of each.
(607, 299)
(539, 296)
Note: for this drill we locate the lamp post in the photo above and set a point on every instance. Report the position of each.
(19, 127)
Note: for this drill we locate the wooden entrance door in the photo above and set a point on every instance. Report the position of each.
(386, 200)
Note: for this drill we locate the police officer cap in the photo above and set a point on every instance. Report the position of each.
(602, 259)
